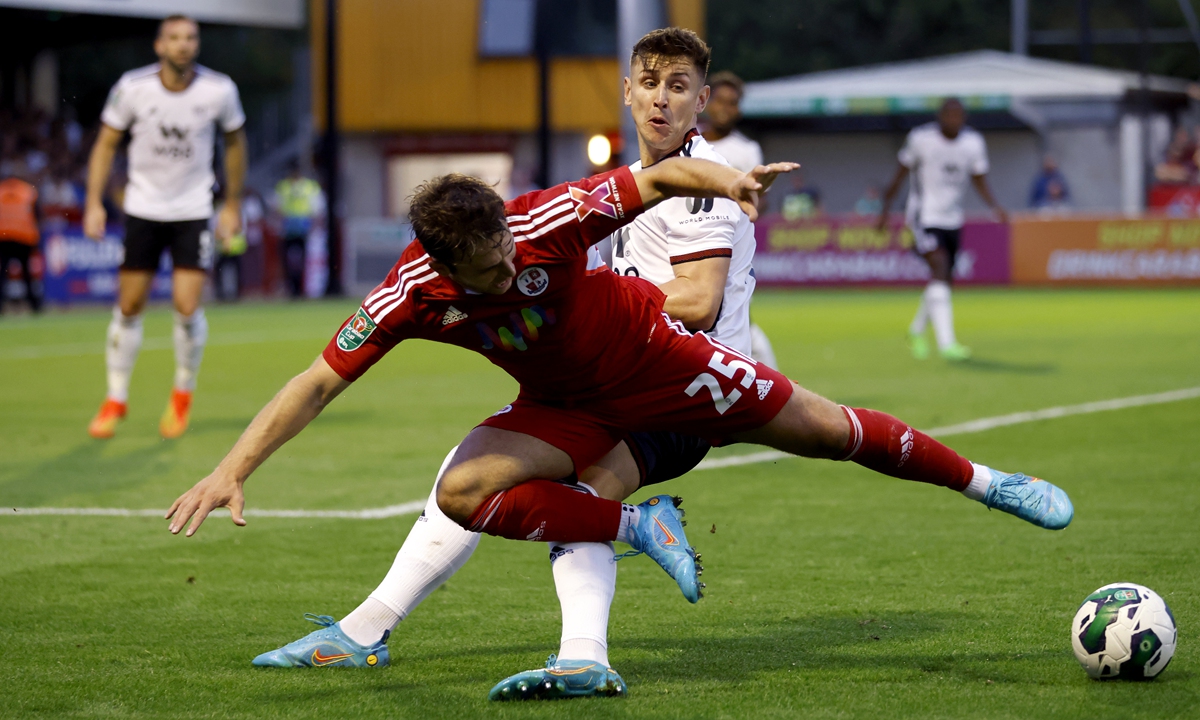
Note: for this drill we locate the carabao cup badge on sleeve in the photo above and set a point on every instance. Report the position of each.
(356, 331)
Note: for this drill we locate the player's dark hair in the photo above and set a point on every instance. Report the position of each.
(726, 78)
(454, 216)
(178, 17)
(669, 44)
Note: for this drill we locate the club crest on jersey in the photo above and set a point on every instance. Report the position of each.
(597, 200)
(533, 281)
(356, 331)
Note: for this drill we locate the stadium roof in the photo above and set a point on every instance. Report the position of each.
(984, 80)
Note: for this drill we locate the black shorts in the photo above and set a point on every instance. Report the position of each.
(190, 243)
(929, 239)
(662, 456)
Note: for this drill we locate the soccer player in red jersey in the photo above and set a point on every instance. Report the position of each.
(595, 357)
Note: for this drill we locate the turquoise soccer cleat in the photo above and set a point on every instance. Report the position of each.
(561, 679)
(327, 647)
(659, 534)
(1032, 499)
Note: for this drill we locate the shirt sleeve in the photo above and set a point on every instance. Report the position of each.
(756, 155)
(979, 163)
(386, 317)
(118, 113)
(564, 221)
(699, 228)
(232, 117)
(908, 154)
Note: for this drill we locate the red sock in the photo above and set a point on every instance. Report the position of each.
(549, 511)
(884, 444)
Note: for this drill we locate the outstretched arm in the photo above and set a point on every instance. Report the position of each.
(981, 186)
(289, 412)
(693, 177)
(100, 164)
(890, 194)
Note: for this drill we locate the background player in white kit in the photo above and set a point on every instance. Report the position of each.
(699, 252)
(941, 157)
(171, 110)
(723, 112)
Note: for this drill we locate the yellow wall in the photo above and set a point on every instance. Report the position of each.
(413, 66)
(688, 14)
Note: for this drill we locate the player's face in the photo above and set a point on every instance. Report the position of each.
(490, 271)
(723, 108)
(178, 44)
(664, 101)
(951, 119)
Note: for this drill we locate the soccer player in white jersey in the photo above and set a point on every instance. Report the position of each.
(699, 252)
(941, 158)
(171, 110)
(723, 112)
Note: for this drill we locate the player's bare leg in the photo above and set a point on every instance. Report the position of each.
(121, 349)
(190, 334)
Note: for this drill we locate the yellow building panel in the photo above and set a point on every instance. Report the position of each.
(413, 66)
(689, 14)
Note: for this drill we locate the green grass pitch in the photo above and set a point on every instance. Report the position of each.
(832, 592)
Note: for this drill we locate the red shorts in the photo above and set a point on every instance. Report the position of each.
(690, 384)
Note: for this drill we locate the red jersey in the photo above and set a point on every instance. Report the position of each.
(562, 330)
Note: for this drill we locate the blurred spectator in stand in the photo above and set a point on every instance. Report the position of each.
(1056, 200)
(19, 236)
(301, 204)
(871, 202)
(798, 200)
(1049, 188)
(61, 197)
(722, 115)
(1179, 165)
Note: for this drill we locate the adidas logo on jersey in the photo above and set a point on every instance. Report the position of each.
(453, 315)
(764, 387)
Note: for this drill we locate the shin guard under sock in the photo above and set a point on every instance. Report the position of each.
(547, 511)
(890, 446)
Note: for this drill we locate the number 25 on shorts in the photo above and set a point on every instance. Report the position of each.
(706, 380)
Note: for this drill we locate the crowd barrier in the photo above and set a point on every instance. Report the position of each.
(1027, 251)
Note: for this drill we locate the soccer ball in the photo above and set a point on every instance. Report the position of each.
(1123, 631)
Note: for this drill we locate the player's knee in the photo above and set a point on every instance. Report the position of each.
(456, 496)
(131, 306)
(186, 306)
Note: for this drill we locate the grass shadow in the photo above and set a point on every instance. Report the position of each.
(1015, 368)
(82, 469)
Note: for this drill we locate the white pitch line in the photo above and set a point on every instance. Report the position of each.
(972, 426)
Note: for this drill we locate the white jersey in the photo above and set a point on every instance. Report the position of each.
(739, 151)
(172, 135)
(940, 170)
(681, 230)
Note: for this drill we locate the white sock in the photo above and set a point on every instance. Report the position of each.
(435, 549)
(979, 482)
(585, 576)
(630, 514)
(124, 341)
(760, 347)
(921, 319)
(191, 334)
(937, 300)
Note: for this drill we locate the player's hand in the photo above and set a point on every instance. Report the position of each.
(749, 187)
(214, 491)
(229, 220)
(95, 220)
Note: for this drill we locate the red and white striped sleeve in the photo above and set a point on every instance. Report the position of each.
(386, 317)
(564, 221)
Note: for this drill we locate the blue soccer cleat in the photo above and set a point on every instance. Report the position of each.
(327, 647)
(1032, 499)
(659, 534)
(561, 679)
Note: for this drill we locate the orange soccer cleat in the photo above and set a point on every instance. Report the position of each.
(175, 418)
(104, 425)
